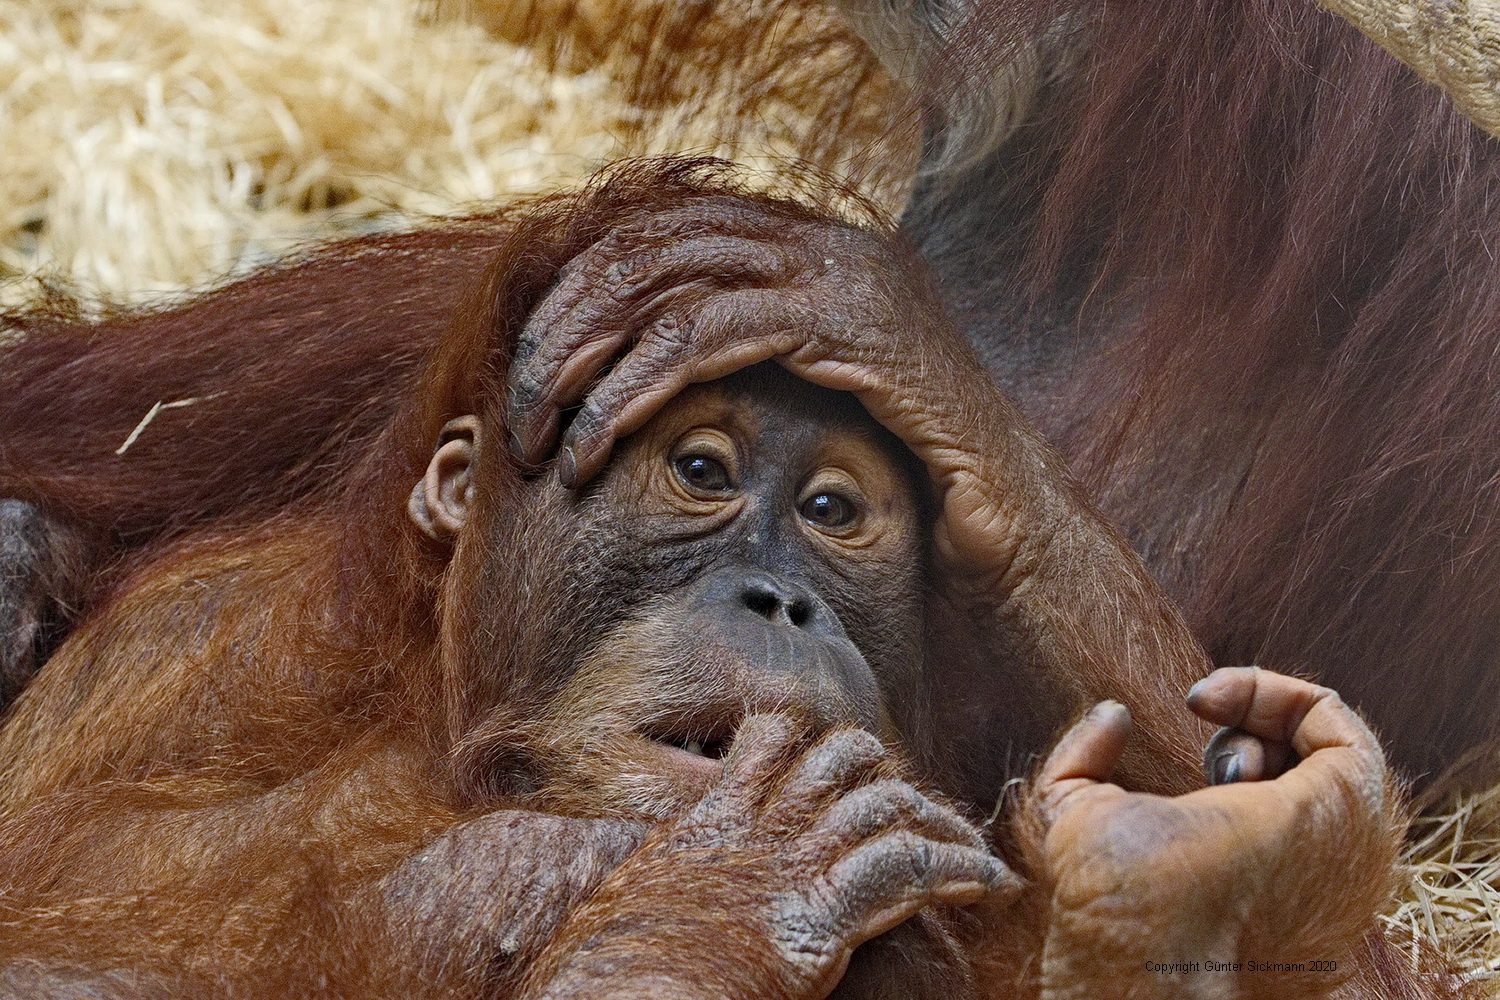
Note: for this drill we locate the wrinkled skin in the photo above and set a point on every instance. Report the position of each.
(603, 781)
(693, 295)
(849, 850)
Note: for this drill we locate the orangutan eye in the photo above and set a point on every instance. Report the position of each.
(703, 474)
(829, 510)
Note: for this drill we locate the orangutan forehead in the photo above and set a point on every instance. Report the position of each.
(767, 395)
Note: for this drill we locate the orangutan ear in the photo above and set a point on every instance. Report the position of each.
(442, 498)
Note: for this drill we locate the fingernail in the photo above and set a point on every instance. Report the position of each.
(1227, 768)
(1103, 708)
(567, 466)
(963, 893)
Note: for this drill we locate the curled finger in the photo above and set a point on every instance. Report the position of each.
(1280, 708)
(603, 301)
(844, 759)
(889, 879)
(883, 805)
(1236, 755)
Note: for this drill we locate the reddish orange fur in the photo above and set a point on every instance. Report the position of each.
(1329, 316)
(251, 729)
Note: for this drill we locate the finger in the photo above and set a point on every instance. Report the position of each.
(634, 261)
(596, 311)
(1234, 755)
(889, 879)
(579, 319)
(1281, 709)
(762, 743)
(1092, 747)
(1085, 756)
(1338, 750)
(715, 338)
(761, 749)
(537, 398)
(844, 759)
(628, 396)
(883, 805)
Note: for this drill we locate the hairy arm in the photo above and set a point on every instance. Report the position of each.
(694, 295)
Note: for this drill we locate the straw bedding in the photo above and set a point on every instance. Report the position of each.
(156, 145)
(151, 146)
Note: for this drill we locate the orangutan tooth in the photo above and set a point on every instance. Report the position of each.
(693, 746)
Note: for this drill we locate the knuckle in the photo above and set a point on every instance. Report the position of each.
(855, 743)
(841, 757)
(613, 270)
(776, 725)
(1327, 694)
(621, 271)
(527, 342)
(807, 929)
(870, 810)
(923, 855)
(620, 296)
(899, 857)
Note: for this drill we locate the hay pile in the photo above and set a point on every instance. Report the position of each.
(1454, 861)
(150, 145)
(147, 146)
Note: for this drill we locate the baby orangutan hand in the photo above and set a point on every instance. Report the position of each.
(1253, 888)
(765, 887)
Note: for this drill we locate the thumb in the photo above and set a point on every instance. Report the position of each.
(1086, 756)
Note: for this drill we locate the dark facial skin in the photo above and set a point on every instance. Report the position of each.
(758, 548)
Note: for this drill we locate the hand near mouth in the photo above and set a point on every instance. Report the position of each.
(796, 856)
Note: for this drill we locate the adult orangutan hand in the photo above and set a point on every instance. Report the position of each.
(1178, 896)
